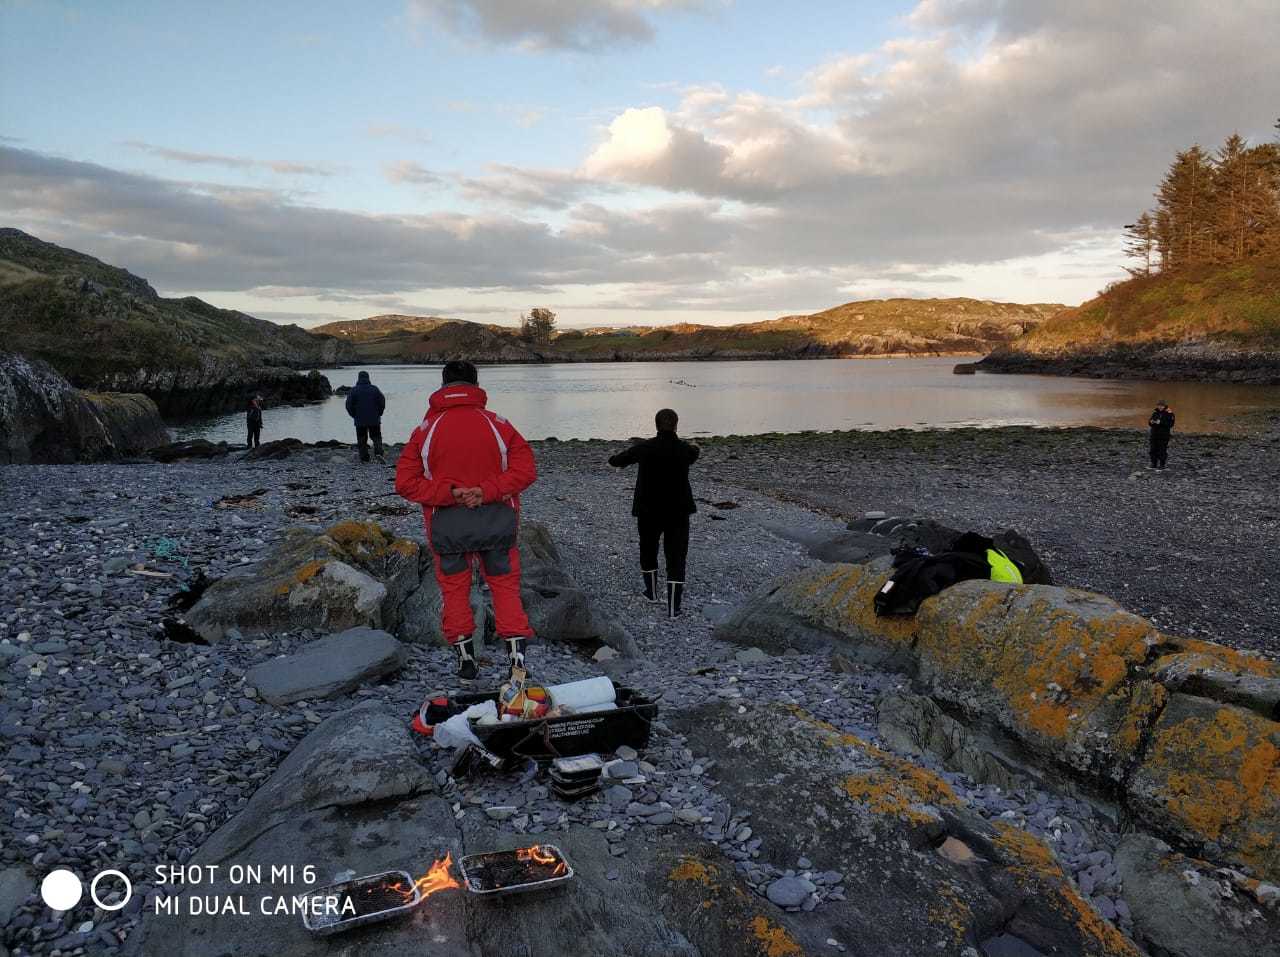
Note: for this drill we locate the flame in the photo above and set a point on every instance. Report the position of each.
(436, 879)
(538, 854)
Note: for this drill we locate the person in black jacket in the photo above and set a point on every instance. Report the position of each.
(1161, 425)
(662, 505)
(253, 421)
(365, 404)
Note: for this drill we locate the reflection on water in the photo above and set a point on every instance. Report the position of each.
(616, 400)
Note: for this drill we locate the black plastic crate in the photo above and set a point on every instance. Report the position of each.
(546, 738)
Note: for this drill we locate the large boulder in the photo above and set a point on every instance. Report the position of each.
(1189, 908)
(1072, 684)
(132, 421)
(44, 419)
(879, 820)
(327, 667)
(351, 574)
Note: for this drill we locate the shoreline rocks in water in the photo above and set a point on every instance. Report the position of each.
(1192, 362)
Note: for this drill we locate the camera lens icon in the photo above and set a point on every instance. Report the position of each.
(61, 889)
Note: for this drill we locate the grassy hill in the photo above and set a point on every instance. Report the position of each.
(875, 327)
(1204, 322)
(106, 329)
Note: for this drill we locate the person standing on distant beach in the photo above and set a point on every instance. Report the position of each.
(365, 405)
(1161, 425)
(466, 467)
(662, 504)
(253, 421)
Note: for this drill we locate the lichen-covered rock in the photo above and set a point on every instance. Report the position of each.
(1070, 681)
(876, 818)
(1050, 665)
(354, 573)
(1210, 777)
(1189, 908)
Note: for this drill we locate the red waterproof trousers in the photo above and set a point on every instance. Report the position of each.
(455, 589)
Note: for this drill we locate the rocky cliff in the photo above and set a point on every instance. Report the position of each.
(44, 419)
(1207, 322)
(106, 329)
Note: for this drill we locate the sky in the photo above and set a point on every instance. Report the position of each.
(617, 161)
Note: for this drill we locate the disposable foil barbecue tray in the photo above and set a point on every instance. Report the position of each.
(375, 897)
(519, 871)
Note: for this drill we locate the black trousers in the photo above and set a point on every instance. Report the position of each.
(255, 436)
(673, 530)
(1159, 449)
(363, 434)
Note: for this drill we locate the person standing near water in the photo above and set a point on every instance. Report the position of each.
(1161, 425)
(662, 504)
(466, 467)
(365, 405)
(253, 421)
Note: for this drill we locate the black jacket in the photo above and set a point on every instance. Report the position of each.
(253, 416)
(662, 487)
(1161, 422)
(366, 403)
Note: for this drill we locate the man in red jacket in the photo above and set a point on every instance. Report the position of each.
(467, 466)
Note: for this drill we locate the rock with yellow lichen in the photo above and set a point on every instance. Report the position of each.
(352, 574)
(850, 806)
(1185, 732)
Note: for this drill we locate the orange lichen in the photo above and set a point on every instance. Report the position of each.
(405, 547)
(774, 940)
(1219, 771)
(304, 573)
(950, 910)
(1033, 862)
(1205, 654)
(691, 869)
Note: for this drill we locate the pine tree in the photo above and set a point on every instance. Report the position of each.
(1184, 197)
(1141, 244)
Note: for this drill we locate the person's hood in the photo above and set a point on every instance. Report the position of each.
(362, 377)
(458, 395)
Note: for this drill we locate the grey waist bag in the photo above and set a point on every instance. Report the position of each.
(489, 531)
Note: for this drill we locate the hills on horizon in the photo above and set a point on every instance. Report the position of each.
(863, 328)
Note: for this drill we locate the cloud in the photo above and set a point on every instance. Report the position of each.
(538, 25)
(285, 167)
(185, 236)
(407, 171)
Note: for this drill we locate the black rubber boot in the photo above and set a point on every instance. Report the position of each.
(465, 651)
(651, 585)
(675, 592)
(515, 654)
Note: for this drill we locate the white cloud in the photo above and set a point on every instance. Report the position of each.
(285, 167)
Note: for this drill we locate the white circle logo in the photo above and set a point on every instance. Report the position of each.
(61, 889)
(128, 890)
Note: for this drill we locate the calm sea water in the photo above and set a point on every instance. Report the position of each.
(617, 400)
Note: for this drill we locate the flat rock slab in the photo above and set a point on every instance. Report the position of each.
(328, 667)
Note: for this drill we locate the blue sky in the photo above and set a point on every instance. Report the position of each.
(621, 161)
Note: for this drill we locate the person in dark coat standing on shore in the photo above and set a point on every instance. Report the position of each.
(1161, 425)
(662, 504)
(365, 405)
(253, 421)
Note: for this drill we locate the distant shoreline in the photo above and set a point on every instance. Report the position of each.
(657, 358)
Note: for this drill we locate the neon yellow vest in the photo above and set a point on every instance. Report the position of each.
(1003, 570)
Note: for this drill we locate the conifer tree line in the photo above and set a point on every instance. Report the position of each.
(1220, 207)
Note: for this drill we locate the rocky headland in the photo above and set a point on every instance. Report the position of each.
(1016, 769)
(1208, 322)
(106, 330)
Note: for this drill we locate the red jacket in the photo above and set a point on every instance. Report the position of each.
(461, 444)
